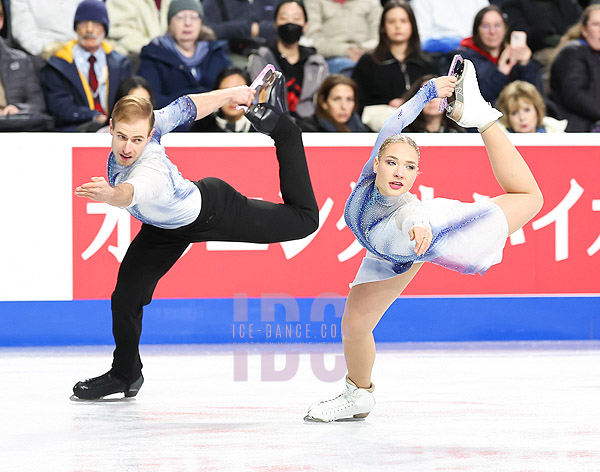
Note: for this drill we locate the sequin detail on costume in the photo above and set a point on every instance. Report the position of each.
(467, 237)
(366, 207)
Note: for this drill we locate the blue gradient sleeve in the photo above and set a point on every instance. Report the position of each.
(401, 118)
(179, 112)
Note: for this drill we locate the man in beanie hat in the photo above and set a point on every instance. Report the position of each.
(81, 80)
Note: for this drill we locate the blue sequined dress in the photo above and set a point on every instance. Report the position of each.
(467, 237)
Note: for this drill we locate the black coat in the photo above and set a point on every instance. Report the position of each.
(380, 83)
(544, 21)
(575, 85)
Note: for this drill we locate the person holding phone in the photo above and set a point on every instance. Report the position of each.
(497, 63)
(544, 22)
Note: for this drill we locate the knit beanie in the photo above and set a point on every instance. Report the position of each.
(92, 10)
(178, 5)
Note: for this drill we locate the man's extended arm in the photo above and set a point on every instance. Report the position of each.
(208, 102)
(98, 189)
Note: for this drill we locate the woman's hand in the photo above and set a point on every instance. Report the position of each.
(520, 54)
(445, 85)
(396, 102)
(505, 61)
(422, 237)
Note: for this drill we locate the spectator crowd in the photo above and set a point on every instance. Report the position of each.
(348, 64)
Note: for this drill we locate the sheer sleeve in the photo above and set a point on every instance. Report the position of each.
(179, 112)
(149, 182)
(411, 214)
(401, 118)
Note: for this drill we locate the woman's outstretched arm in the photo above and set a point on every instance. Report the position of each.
(408, 112)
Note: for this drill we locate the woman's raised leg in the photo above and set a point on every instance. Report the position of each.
(523, 198)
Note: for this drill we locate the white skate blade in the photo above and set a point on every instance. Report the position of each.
(113, 398)
(263, 79)
(352, 419)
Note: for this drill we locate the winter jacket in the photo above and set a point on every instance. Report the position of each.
(315, 123)
(170, 78)
(575, 85)
(335, 26)
(315, 71)
(544, 21)
(491, 80)
(240, 16)
(68, 95)
(134, 23)
(20, 83)
(378, 84)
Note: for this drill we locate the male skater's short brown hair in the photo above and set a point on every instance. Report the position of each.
(131, 107)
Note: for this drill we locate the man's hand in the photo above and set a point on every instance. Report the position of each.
(99, 190)
(242, 95)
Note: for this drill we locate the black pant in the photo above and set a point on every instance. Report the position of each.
(226, 215)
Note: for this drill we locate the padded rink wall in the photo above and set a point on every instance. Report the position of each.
(59, 255)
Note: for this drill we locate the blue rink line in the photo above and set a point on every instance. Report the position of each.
(304, 321)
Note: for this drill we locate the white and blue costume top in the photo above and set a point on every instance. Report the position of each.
(467, 237)
(161, 196)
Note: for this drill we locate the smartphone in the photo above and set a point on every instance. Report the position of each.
(518, 39)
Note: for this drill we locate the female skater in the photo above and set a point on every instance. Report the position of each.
(400, 232)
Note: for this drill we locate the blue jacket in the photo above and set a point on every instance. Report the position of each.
(69, 99)
(170, 78)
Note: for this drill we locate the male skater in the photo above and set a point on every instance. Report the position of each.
(176, 212)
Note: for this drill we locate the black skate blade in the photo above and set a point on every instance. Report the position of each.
(106, 399)
(456, 68)
(310, 419)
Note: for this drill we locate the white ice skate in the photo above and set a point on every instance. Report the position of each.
(467, 107)
(353, 404)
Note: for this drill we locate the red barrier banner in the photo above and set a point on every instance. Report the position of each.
(558, 252)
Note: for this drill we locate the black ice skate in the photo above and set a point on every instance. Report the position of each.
(99, 387)
(271, 100)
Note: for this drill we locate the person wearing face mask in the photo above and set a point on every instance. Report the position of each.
(80, 81)
(304, 70)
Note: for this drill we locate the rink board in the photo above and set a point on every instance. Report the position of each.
(212, 321)
(60, 254)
